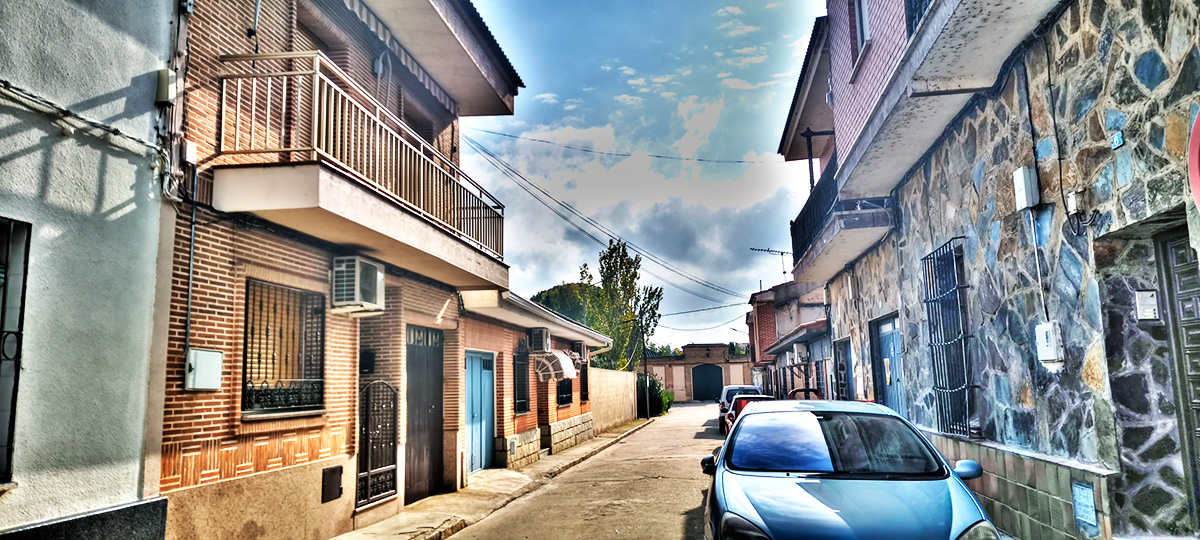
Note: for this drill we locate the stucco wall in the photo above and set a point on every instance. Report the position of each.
(95, 210)
(614, 397)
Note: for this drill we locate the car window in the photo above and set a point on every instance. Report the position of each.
(830, 442)
(734, 392)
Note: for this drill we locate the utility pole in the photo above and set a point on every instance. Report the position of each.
(645, 368)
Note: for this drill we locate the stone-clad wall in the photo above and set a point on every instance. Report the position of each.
(519, 450)
(567, 433)
(1132, 66)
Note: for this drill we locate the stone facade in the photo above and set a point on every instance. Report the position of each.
(520, 450)
(559, 436)
(1101, 67)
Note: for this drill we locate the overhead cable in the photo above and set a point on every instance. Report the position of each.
(617, 154)
(702, 329)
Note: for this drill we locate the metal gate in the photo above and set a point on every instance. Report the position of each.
(423, 448)
(379, 406)
(707, 380)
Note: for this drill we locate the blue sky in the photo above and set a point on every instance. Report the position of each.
(688, 78)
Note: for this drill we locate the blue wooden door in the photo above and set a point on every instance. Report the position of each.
(481, 409)
(890, 378)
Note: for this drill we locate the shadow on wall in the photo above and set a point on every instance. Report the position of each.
(95, 214)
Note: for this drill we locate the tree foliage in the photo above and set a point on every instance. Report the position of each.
(618, 307)
(566, 300)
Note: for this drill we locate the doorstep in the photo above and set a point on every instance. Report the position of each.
(440, 516)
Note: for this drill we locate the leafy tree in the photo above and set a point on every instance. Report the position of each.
(737, 349)
(619, 308)
(662, 350)
(565, 299)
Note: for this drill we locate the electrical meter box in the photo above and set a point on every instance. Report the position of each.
(203, 369)
(1025, 187)
(1049, 342)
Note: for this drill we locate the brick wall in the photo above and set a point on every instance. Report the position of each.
(764, 331)
(205, 438)
(490, 335)
(888, 37)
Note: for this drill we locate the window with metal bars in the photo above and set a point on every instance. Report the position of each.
(284, 368)
(583, 382)
(14, 249)
(521, 382)
(565, 392)
(820, 372)
(945, 281)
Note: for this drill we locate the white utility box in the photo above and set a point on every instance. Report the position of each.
(1025, 187)
(203, 369)
(1049, 342)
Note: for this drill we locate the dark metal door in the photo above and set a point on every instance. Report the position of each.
(423, 449)
(378, 418)
(707, 380)
(1183, 283)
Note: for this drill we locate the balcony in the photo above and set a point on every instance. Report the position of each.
(831, 232)
(956, 49)
(313, 151)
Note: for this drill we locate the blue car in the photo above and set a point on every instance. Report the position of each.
(836, 470)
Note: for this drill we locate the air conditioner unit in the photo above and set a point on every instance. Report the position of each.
(357, 285)
(539, 340)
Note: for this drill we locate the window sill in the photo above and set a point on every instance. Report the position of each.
(7, 487)
(520, 414)
(252, 416)
(858, 62)
(255, 423)
(564, 406)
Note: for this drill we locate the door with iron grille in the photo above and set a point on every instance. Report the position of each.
(1182, 276)
(423, 446)
(379, 404)
(842, 374)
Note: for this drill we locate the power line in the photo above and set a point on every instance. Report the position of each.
(703, 309)
(525, 184)
(702, 329)
(616, 154)
(517, 176)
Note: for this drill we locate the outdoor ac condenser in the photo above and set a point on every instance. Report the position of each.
(539, 340)
(357, 285)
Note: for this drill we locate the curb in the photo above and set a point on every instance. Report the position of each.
(443, 531)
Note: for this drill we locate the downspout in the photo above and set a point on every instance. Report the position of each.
(187, 321)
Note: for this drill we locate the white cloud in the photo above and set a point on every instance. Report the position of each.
(637, 82)
(627, 71)
(745, 61)
(572, 104)
(723, 75)
(728, 10)
(739, 84)
(799, 47)
(685, 73)
(747, 50)
(737, 28)
(547, 98)
(606, 67)
(661, 80)
(667, 94)
(643, 89)
(626, 99)
(785, 75)
(771, 5)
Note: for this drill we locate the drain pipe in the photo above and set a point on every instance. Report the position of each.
(187, 321)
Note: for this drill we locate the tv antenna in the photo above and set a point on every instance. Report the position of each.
(782, 255)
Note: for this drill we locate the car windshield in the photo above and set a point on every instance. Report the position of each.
(830, 443)
(734, 392)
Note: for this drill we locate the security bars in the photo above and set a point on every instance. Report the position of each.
(284, 368)
(14, 246)
(944, 306)
(565, 392)
(378, 421)
(521, 380)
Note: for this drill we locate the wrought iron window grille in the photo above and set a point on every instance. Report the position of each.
(521, 378)
(284, 368)
(14, 267)
(945, 307)
(566, 392)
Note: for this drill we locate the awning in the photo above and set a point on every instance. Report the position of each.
(556, 364)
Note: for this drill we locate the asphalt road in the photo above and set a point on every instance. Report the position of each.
(648, 486)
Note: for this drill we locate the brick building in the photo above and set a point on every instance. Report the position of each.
(1003, 233)
(701, 371)
(542, 402)
(789, 342)
(326, 152)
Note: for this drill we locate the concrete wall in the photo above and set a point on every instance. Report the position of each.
(95, 207)
(614, 397)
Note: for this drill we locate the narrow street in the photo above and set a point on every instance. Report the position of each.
(647, 486)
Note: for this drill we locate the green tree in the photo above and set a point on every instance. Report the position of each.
(618, 307)
(566, 300)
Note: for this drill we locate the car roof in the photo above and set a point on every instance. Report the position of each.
(734, 386)
(744, 397)
(819, 406)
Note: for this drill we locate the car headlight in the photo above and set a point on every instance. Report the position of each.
(980, 531)
(735, 527)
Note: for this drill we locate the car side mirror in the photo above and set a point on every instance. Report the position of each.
(709, 465)
(967, 469)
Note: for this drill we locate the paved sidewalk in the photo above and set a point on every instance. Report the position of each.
(440, 516)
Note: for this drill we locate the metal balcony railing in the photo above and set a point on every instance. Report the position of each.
(815, 214)
(915, 11)
(299, 106)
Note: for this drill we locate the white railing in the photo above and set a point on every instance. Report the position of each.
(302, 106)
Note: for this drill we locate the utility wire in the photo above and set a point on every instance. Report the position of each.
(703, 329)
(525, 184)
(703, 309)
(616, 154)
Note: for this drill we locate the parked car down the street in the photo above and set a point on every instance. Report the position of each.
(836, 470)
(731, 391)
(736, 406)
